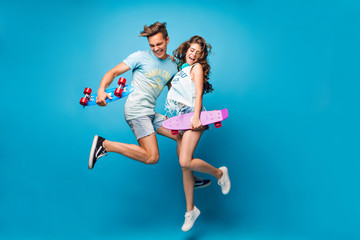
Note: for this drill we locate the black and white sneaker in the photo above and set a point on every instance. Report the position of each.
(97, 150)
(201, 183)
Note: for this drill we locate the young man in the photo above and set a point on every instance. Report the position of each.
(152, 70)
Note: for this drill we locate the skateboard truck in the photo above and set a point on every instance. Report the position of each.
(176, 132)
(84, 100)
(120, 88)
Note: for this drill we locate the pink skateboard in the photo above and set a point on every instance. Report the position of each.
(183, 122)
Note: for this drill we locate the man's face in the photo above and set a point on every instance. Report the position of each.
(159, 45)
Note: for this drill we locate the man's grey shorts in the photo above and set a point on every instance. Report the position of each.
(146, 125)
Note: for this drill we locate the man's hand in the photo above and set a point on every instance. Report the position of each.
(195, 124)
(107, 80)
(101, 98)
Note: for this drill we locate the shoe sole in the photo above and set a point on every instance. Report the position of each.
(93, 147)
(203, 186)
(227, 173)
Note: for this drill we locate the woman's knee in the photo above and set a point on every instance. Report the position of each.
(185, 163)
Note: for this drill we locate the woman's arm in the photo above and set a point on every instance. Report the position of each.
(168, 84)
(197, 75)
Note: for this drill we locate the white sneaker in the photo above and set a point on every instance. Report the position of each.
(190, 218)
(224, 181)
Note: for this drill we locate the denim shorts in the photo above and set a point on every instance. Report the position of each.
(174, 108)
(146, 125)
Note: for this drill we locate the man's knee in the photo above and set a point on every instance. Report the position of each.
(153, 159)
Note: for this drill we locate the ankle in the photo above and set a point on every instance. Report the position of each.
(105, 142)
(220, 174)
(189, 209)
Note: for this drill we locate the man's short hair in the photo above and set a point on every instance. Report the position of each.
(154, 29)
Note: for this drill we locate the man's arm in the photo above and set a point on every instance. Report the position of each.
(107, 80)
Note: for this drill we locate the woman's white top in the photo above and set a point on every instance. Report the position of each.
(183, 88)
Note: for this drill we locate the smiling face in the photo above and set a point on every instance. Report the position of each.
(193, 53)
(159, 45)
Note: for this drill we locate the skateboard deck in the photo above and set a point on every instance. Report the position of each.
(127, 90)
(183, 122)
(122, 91)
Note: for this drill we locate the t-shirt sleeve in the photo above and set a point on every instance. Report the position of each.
(133, 60)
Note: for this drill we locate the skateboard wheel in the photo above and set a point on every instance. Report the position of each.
(217, 124)
(118, 92)
(174, 132)
(122, 81)
(87, 91)
(83, 101)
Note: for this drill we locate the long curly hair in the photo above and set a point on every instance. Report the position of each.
(180, 55)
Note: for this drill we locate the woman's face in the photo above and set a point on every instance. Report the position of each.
(193, 53)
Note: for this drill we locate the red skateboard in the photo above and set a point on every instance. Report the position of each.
(183, 122)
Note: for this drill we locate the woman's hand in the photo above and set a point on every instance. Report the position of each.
(196, 123)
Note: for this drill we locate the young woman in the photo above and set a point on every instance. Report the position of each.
(184, 96)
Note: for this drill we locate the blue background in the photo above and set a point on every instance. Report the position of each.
(288, 72)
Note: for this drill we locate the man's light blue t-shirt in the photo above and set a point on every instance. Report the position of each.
(150, 75)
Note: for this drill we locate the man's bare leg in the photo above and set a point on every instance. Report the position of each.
(147, 152)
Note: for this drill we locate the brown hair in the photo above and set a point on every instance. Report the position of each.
(154, 29)
(180, 53)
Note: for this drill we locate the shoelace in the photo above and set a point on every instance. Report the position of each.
(221, 182)
(198, 180)
(101, 152)
(188, 218)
